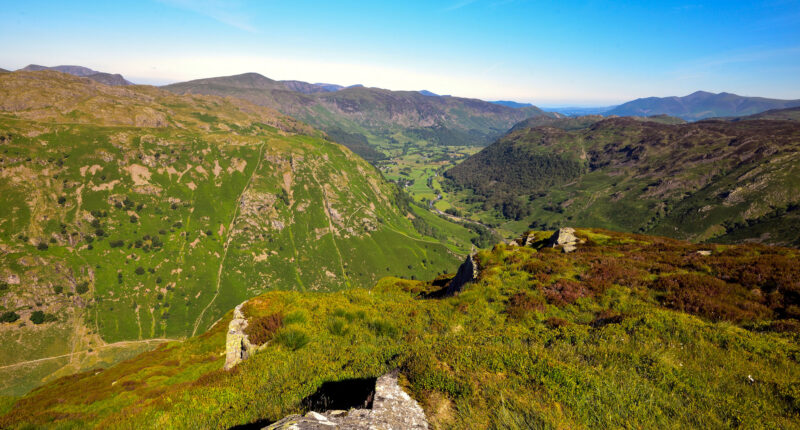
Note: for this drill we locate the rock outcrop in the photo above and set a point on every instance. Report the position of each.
(565, 238)
(467, 272)
(237, 344)
(392, 409)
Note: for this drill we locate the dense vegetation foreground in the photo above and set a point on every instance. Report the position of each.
(627, 331)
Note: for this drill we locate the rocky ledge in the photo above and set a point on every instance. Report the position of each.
(392, 409)
(467, 272)
(237, 343)
(565, 238)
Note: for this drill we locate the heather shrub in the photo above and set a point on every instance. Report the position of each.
(261, 329)
(606, 317)
(523, 303)
(710, 297)
(565, 291)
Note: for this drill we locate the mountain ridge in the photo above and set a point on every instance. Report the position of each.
(700, 105)
(383, 117)
(511, 104)
(84, 72)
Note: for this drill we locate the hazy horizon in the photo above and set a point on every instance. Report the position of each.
(562, 55)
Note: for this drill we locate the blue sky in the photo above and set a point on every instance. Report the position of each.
(548, 52)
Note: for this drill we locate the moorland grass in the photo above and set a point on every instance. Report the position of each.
(542, 340)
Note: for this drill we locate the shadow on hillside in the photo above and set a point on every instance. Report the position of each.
(439, 286)
(356, 393)
(260, 424)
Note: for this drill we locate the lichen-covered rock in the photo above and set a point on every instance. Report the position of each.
(237, 344)
(529, 240)
(565, 238)
(467, 272)
(392, 409)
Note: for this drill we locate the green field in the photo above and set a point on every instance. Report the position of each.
(419, 170)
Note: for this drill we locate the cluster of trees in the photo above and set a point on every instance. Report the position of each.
(502, 175)
(441, 135)
(426, 229)
(732, 226)
(37, 317)
(484, 237)
(514, 171)
(356, 143)
(9, 317)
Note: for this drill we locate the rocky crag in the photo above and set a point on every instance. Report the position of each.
(565, 239)
(237, 344)
(467, 272)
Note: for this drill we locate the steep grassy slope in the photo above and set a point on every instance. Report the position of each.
(700, 105)
(131, 213)
(694, 181)
(387, 120)
(628, 331)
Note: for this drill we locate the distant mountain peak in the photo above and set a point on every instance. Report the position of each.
(428, 93)
(72, 70)
(700, 105)
(114, 79)
(702, 93)
(252, 76)
(511, 104)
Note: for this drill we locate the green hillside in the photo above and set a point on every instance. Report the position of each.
(628, 331)
(409, 136)
(131, 213)
(710, 180)
(791, 114)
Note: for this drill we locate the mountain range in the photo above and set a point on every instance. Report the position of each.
(696, 106)
(372, 122)
(84, 72)
(700, 105)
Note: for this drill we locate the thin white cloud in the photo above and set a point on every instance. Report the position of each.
(704, 67)
(226, 12)
(459, 5)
